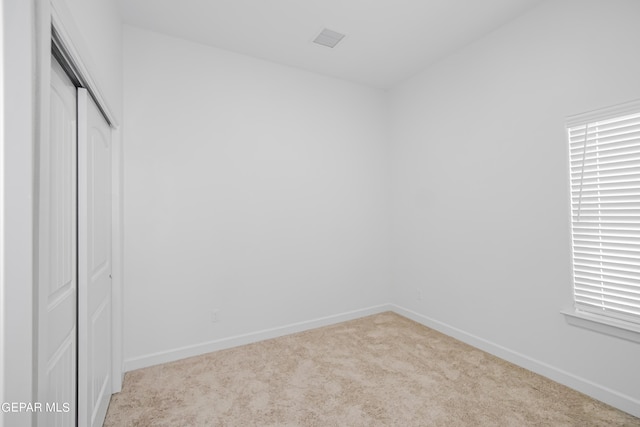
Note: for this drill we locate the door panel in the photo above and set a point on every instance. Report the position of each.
(57, 257)
(94, 262)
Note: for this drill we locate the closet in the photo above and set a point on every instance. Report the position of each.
(73, 206)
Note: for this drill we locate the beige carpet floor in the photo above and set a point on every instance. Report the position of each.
(381, 370)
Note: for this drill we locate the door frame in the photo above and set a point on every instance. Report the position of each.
(55, 25)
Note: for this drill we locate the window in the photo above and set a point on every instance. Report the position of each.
(604, 155)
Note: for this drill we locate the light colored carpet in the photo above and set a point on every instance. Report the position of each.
(381, 370)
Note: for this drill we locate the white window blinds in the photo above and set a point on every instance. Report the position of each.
(605, 212)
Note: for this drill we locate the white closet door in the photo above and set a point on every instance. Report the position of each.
(57, 257)
(94, 263)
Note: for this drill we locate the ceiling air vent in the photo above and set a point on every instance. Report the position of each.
(328, 38)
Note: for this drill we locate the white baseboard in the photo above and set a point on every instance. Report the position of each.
(252, 337)
(597, 391)
(611, 397)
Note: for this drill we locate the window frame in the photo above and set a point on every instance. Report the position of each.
(574, 316)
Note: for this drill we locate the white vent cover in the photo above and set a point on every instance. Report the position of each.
(328, 38)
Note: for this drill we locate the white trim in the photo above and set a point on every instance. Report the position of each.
(603, 113)
(117, 259)
(61, 20)
(604, 325)
(2, 282)
(18, 135)
(2, 204)
(42, 126)
(618, 400)
(249, 338)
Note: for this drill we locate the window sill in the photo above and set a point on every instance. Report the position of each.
(616, 328)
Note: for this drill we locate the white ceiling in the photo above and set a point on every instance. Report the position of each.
(387, 40)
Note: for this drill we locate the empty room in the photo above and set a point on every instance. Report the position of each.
(320, 213)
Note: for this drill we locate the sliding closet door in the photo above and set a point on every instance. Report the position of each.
(57, 257)
(94, 263)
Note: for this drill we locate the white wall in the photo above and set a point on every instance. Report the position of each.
(481, 209)
(96, 28)
(16, 294)
(253, 188)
